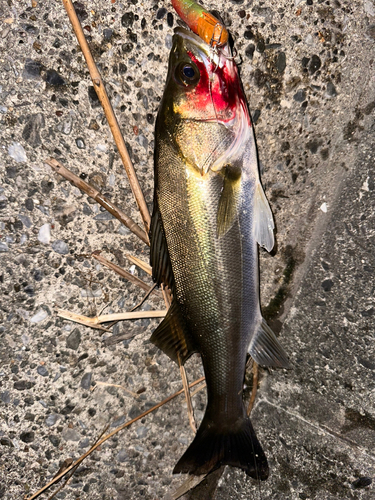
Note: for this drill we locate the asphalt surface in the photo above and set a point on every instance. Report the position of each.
(308, 73)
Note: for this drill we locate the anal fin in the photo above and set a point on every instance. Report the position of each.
(266, 350)
(173, 337)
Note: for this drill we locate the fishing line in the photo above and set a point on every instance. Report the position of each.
(210, 80)
(218, 52)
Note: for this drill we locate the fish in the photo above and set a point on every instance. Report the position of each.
(210, 213)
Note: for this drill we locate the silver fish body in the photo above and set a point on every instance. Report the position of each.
(209, 213)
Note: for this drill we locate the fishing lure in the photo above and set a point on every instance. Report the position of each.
(201, 22)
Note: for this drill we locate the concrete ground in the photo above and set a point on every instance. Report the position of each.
(308, 72)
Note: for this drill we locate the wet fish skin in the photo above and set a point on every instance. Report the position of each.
(209, 213)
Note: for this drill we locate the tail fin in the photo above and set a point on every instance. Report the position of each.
(214, 446)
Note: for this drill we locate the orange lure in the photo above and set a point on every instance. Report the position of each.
(201, 22)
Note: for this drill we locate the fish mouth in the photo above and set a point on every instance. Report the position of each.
(209, 52)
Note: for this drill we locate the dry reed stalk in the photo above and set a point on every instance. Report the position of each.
(140, 263)
(109, 113)
(254, 389)
(189, 404)
(99, 198)
(106, 318)
(108, 436)
(126, 274)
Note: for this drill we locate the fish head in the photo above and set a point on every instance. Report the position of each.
(203, 102)
(205, 80)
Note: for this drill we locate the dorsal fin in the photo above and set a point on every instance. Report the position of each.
(159, 256)
(173, 337)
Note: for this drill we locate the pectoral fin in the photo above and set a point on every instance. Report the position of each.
(263, 219)
(159, 256)
(266, 350)
(228, 202)
(173, 337)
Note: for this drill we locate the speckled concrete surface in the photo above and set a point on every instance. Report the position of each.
(308, 72)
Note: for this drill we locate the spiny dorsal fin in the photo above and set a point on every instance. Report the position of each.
(228, 202)
(159, 256)
(263, 219)
(266, 350)
(172, 336)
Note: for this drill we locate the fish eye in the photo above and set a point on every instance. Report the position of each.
(187, 74)
(188, 71)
